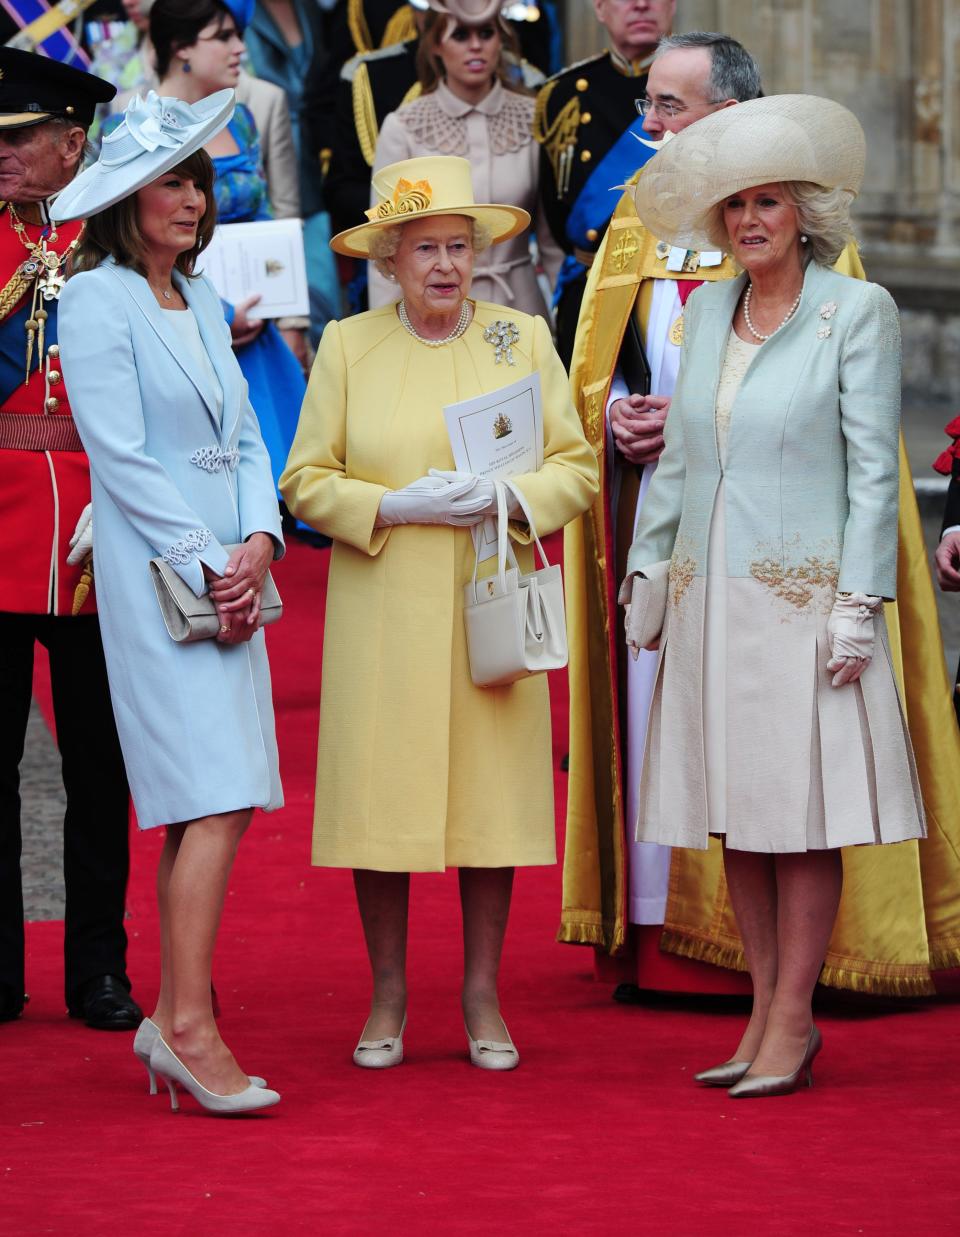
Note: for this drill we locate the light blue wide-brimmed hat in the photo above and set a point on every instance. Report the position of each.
(155, 135)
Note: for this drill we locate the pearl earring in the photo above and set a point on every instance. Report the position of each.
(803, 239)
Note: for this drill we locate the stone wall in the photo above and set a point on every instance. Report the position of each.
(895, 64)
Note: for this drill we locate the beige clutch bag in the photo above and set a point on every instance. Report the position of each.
(188, 617)
(646, 595)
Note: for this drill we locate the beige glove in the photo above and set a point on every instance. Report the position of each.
(850, 632)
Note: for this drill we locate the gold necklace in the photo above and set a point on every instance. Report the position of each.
(44, 269)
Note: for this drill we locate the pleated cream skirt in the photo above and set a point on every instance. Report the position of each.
(747, 736)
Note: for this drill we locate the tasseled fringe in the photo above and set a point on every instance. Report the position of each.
(945, 959)
(609, 938)
(731, 957)
(877, 985)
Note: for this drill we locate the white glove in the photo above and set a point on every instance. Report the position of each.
(430, 500)
(850, 632)
(484, 490)
(81, 543)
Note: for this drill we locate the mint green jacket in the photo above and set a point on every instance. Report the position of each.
(811, 471)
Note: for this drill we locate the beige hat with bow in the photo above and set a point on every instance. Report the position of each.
(467, 12)
(763, 141)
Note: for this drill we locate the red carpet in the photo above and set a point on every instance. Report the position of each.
(600, 1131)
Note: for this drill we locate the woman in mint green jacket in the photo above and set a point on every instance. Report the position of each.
(775, 720)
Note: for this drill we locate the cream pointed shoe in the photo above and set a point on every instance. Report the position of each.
(380, 1053)
(147, 1034)
(491, 1054)
(165, 1063)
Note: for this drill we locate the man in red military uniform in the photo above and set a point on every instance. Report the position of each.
(45, 539)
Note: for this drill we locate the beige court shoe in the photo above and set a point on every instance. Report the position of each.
(762, 1085)
(380, 1053)
(724, 1075)
(491, 1054)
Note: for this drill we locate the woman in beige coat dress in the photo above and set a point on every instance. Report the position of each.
(471, 108)
(418, 769)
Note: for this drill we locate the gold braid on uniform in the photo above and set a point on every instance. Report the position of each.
(359, 30)
(364, 114)
(400, 28)
(15, 289)
(559, 138)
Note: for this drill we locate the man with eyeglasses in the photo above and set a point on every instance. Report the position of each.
(587, 125)
(624, 367)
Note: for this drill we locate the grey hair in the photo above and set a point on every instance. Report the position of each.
(60, 124)
(823, 216)
(734, 74)
(385, 242)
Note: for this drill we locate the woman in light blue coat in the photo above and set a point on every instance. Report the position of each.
(178, 470)
(772, 518)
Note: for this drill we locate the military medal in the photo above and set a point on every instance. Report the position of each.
(44, 269)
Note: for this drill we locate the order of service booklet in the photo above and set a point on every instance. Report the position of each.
(498, 434)
(265, 257)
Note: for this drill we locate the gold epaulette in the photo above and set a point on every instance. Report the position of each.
(364, 113)
(359, 30)
(400, 27)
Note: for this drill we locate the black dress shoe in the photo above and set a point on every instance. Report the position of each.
(11, 1003)
(105, 1004)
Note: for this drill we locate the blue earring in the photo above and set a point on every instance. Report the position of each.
(186, 66)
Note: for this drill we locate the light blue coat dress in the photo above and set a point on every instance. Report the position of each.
(171, 475)
(807, 494)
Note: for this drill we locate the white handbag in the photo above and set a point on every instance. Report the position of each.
(515, 623)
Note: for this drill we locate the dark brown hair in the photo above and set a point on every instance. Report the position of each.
(115, 233)
(175, 24)
(430, 66)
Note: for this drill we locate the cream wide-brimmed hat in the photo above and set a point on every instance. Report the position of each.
(155, 135)
(420, 188)
(762, 141)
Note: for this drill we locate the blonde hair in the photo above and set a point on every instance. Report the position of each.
(823, 216)
(384, 243)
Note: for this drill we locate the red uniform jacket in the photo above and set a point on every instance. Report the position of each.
(42, 492)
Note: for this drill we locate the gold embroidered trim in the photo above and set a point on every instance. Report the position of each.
(681, 573)
(796, 584)
(540, 112)
(364, 114)
(415, 91)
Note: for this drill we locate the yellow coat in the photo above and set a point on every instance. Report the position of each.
(417, 768)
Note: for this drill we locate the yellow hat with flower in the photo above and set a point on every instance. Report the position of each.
(420, 188)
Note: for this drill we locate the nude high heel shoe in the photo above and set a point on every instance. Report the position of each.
(380, 1053)
(147, 1034)
(165, 1062)
(762, 1085)
(724, 1075)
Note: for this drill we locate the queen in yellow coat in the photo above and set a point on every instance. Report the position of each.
(418, 769)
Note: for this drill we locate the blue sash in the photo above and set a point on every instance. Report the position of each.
(61, 45)
(598, 198)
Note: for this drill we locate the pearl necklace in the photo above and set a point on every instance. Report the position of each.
(462, 323)
(749, 321)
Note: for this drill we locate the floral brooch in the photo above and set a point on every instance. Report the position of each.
(827, 310)
(502, 335)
